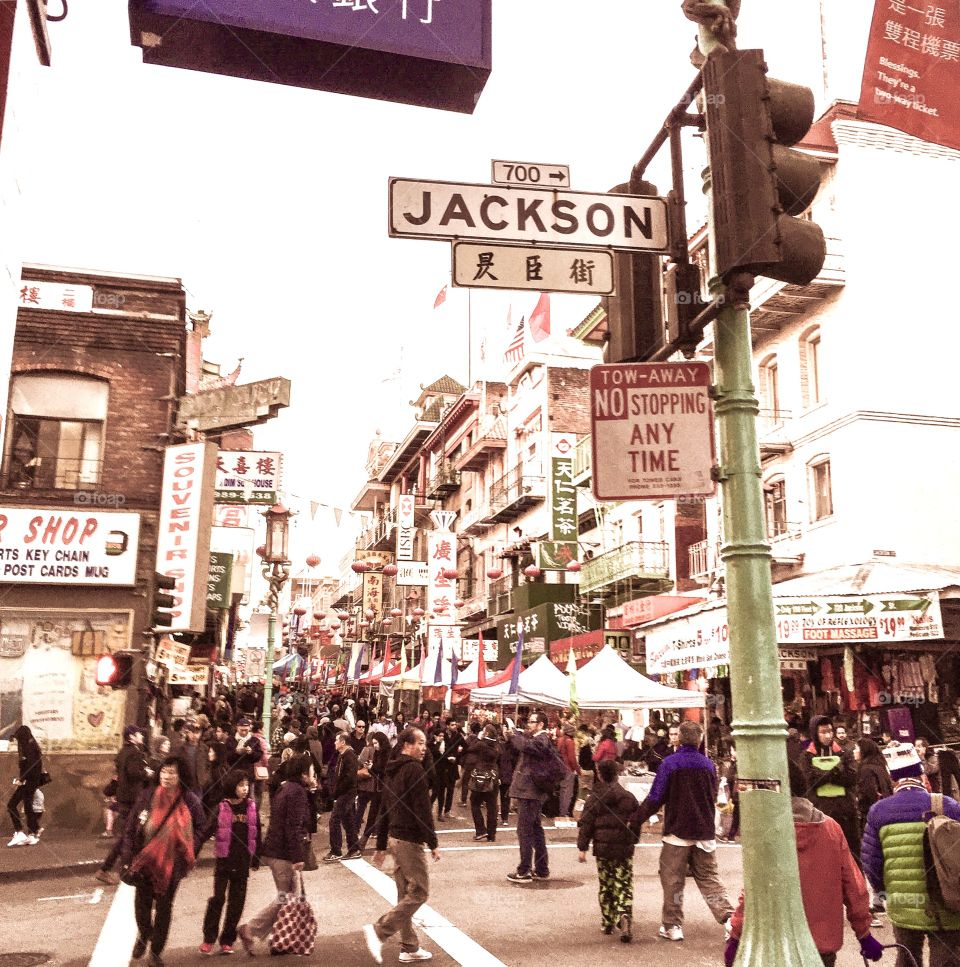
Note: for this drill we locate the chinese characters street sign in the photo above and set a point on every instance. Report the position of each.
(910, 71)
(248, 477)
(529, 173)
(652, 429)
(525, 267)
(446, 210)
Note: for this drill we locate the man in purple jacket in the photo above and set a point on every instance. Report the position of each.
(285, 845)
(686, 785)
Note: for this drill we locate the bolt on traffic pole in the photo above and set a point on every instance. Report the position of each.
(775, 927)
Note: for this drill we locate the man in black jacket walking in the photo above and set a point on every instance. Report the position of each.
(344, 802)
(407, 819)
(132, 776)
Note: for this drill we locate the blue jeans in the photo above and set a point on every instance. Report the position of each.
(345, 814)
(533, 844)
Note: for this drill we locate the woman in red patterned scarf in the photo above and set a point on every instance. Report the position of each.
(159, 849)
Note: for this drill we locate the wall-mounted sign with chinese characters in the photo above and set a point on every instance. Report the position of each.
(541, 626)
(563, 494)
(432, 53)
(412, 574)
(479, 266)
(441, 590)
(910, 71)
(373, 593)
(652, 431)
(248, 477)
(55, 296)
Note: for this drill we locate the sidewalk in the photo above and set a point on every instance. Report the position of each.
(59, 852)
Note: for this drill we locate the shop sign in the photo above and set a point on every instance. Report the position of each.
(172, 653)
(406, 529)
(248, 477)
(219, 580)
(541, 625)
(701, 640)
(183, 532)
(470, 646)
(55, 296)
(563, 494)
(652, 431)
(238, 543)
(413, 574)
(584, 647)
(556, 555)
(373, 592)
(56, 546)
(795, 659)
(442, 636)
(865, 618)
(655, 606)
(193, 674)
(230, 407)
(231, 515)
(441, 556)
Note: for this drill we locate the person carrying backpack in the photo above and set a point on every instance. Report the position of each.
(534, 747)
(893, 861)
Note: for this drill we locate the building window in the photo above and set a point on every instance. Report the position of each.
(770, 391)
(811, 373)
(56, 431)
(775, 494)
(821, 494)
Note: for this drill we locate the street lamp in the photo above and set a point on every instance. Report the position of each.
(276, 570)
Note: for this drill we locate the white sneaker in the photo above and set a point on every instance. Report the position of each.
(32, 840)
(19, 839)
(374, 944)
(671, 933)
(409, 956)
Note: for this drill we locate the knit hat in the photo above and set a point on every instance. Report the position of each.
(903, 761)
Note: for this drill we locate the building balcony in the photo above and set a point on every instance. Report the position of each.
(500, 595)
(444, 482)
(638, 566)
(491, 439)
(785, 543)
(773, 433)
(475, 523)
(583, 461)
(513, 494)
(705, 563)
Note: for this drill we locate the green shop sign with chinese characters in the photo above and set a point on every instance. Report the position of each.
(542, 625)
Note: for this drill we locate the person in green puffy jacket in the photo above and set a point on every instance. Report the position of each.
(894, 863)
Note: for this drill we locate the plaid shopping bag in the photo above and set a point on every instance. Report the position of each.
(295, 929)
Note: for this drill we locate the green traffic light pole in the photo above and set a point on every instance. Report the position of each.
(275, 575)
(775, 927)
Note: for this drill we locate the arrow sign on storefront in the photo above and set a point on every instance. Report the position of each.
(849, 607)
(805, 607)
(907, 604)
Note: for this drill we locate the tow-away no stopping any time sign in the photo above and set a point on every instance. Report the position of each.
(446, 210)
(652, 431)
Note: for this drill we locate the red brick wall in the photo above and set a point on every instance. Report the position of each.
(568, 400)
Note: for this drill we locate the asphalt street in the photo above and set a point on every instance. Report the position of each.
(475, 916)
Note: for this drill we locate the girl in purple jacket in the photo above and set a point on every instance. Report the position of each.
(235, 826)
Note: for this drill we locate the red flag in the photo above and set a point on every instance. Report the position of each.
(386, 655)
(441, 298)
(482, 667)
(540, 319)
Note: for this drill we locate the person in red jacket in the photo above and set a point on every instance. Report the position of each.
(830, 881)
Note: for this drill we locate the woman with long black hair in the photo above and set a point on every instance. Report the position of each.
(374, 762)
(30, 779)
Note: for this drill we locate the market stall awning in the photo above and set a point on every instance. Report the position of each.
(541, 676)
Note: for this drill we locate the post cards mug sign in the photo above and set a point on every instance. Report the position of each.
(652, 431)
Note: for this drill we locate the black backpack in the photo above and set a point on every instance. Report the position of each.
(547, 771)
(585, 757)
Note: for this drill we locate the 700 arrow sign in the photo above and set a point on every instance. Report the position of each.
(525, 173)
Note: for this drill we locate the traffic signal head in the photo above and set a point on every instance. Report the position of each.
(635, 313)
(115, 670)
(163, 602)
(758, 184)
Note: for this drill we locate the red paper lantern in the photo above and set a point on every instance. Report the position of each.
(574, 567)
(343, 615)
(364, 624)
(386, 618)
(396, 612)
(493, 573)
(418, 612)
(450, 573)
(262, 550)
(458, 603)
(358, 567)
(370, 614)
(313, 560)
(334, 625)
(532, 571)
(318, 616)
(390, 569)
(299, 611)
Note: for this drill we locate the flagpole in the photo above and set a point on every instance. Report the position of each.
(469, 338)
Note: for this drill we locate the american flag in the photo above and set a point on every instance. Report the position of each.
(514, 351)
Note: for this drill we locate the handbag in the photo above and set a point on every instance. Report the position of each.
(261, 773)
(110, 789)
(295, 929)
(45, 778)
(310, 860)
(483, 780)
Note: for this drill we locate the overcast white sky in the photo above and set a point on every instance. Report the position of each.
(271, 202)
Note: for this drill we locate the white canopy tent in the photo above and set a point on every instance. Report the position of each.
(411, 678)
(541, 676)
(607, 681)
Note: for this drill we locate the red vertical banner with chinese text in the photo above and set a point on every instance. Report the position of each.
(912, 69)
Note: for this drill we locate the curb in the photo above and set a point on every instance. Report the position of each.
(68, 869)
